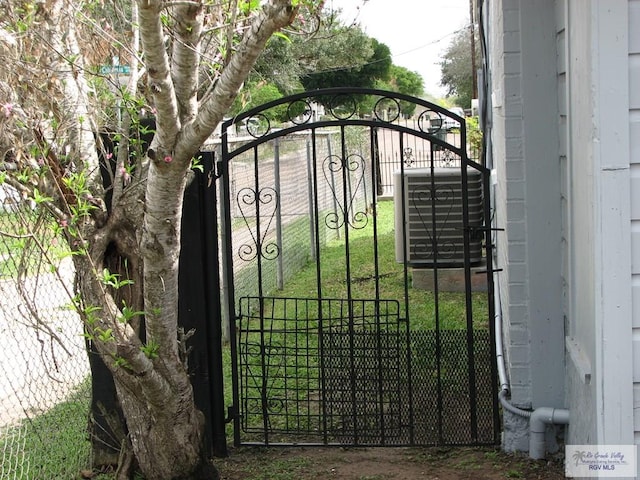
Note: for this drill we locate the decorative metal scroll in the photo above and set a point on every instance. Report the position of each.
(351, 168)
(263, 204)
(341, 105)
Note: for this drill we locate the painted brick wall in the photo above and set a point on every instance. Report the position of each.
(506, 71)
(528, 198)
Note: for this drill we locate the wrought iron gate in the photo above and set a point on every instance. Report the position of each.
(384, 224)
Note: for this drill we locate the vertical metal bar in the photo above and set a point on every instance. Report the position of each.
(464, 163)
(407, 304)
(436, 297)
(312, 210)
(277, 187)
(263, 348)
(321, 312)
(214, 319)
(374, 155)
(351, 327)
(228, 313)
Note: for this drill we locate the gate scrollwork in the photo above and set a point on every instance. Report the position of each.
(258, 205)
(352, 170)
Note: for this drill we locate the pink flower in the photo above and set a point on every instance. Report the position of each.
(168, 159)
(7, 108)
(109, 156)
(64, 223)
(125, 175)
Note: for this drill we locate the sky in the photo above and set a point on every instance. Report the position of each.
(416, 31)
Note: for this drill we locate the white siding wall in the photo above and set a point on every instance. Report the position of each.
(597, 210)
(579, 226)
(634, 131)
(564, 193)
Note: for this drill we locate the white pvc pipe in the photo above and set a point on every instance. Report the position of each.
(497, 302)
(540, 417)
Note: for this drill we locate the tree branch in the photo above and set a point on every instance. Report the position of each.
(186, 53)
(160, 82)
(274, 15)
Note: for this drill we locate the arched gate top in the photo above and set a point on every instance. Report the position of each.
(341, 108)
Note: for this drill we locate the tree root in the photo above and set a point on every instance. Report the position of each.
(126, 461)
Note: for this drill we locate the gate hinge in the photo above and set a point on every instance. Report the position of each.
(232, 414)
(493, 270)
(217, 169)
(484, 229)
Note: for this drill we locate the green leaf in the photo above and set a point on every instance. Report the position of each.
(247, 6)
(283, 36)
(122, 362)
(106, 335)
(151, 350)
(128, 313)
(39, 198)
(196, 164)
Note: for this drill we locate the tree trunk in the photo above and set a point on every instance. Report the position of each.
(167, 438)
(126, 256)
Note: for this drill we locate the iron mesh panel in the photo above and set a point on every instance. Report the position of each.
(462, 407)
(334, 371)
(364, 364)
(320, 371)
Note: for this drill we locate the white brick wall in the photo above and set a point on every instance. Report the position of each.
(511, 197)
(528, 197)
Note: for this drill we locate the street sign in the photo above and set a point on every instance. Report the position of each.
(117, 69)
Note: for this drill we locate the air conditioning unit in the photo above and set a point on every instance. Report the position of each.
(428, 217)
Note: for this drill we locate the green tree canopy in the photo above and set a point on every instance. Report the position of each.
(456, 69)
(363, 70)
(405, 81)
(294, 62)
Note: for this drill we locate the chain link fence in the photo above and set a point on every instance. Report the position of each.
(44, 380)
(287, 199)
(44, 383)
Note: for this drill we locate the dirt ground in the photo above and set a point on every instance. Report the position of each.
(459, 463)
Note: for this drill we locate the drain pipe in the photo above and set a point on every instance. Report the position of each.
(538, 418)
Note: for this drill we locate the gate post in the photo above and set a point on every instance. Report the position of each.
(199, 302)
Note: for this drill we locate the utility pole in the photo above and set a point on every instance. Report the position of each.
(474, 76)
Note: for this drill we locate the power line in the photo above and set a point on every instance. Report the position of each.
(390, 57)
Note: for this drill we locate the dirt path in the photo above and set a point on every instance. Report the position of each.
(436, 463)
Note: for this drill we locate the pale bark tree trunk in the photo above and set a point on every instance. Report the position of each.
(137, 239)
(165, 429)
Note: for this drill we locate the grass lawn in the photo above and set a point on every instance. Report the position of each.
(50, 446)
